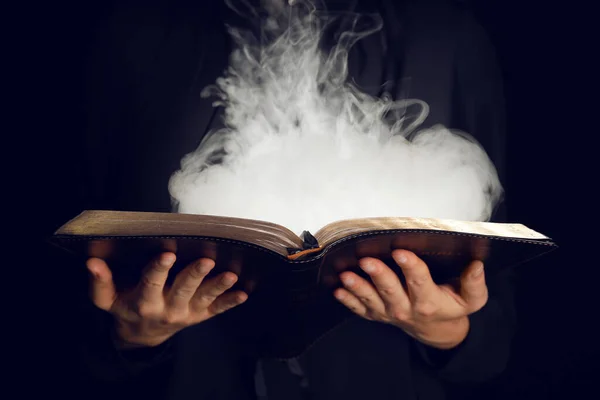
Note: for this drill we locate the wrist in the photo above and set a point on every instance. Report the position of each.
(445, 335)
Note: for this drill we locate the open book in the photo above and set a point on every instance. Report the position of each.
(286, 273)
(449, 244)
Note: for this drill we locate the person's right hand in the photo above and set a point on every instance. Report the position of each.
(151, 313)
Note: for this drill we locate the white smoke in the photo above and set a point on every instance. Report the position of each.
(303, 147)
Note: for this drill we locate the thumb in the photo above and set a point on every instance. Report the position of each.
(473, 288)
(102, 290)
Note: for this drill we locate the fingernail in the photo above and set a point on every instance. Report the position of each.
(228, 279)
(348, 280)
(339, 295)
(478, 271)
(401, 258)
(205, 266)
(368, 267)
(240, 298)
(167, 261)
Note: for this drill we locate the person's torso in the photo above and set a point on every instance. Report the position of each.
(159, 64)
(162, 65)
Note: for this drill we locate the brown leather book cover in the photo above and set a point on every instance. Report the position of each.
(271, 258)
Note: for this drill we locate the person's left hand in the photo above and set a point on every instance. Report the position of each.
(436, 315)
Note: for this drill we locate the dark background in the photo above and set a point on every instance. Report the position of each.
(556, 350)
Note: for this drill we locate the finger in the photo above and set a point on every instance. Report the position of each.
(155, 276)
(473, 288)
(451, 291)
(211, 289)
(364, 291)
(386, 282)
(102, 290)
(187, 282)
(451, 304)
(351, 302)
(226, 302)
(420, 285)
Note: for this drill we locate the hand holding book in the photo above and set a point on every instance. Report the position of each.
(436, 315)
(277, 269)
(148, 315)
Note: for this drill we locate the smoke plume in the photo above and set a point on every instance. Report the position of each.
(303, 147)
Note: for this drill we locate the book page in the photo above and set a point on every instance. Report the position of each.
(340, 229)
(124, 223)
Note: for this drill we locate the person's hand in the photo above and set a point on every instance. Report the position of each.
(436, 315)
(151, 313)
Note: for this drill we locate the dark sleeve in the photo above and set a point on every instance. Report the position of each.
(479, 104)
(484, 353)
(102, 358)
